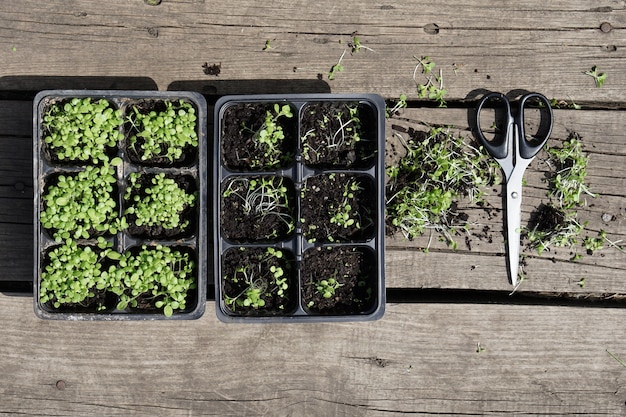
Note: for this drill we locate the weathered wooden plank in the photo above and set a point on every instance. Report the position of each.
(465, 359)
(532, 44)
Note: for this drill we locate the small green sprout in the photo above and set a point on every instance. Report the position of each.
(400, 104)
(161, 203)
(558, 104)
(327, 287)
(433, 87)
(268, 45)
(165, 134)
(598, 77)
(337, 67)
(355, 45)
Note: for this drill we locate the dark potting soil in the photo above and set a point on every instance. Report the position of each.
(239, 125)
(353, 268)
(546, 218)
(248, 217)
(324, 196)
(185, 182)
(258, 268)
(188, 156)
(327, 135)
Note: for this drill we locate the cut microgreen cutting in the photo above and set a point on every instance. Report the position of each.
(438, 169)
(400, 104)
(431, 85)
(598, 77)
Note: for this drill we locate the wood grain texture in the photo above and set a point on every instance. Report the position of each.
(420, 359)
(501, 46)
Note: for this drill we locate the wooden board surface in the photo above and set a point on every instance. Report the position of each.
(421, 359)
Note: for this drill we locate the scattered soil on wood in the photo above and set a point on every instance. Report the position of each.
(353, 268)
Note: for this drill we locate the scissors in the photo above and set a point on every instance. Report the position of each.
(514, 151)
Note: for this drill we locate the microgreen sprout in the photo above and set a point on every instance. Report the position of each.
(164, 134)
(72, 273)
(355, 45)
(400, 104)
(598, 77)
(341, 213)
(259, 279)
(437, 170)
(160, 275)
(269, 136)
(337, 67)
(82, 129)
(558, 104)
(262, 197)
(432, 88)
(161, 203)
(327, 287)
(81, 205)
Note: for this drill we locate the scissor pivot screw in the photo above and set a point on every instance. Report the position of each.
(514, 194)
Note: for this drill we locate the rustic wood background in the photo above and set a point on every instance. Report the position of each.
(453, 340)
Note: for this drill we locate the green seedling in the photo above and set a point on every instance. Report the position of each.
(400, 104)
(269, 137)
(159, 275)
(72, 273)
(337, 67)
(261, 278)
(262, 197)
(355, 46)
(82, 129)
(81, 205)
(437, 170)
(598, 77)
(432, 88)
(562, 104)
(162, 203)
(342, 213)
(166, 134)
(327, 287)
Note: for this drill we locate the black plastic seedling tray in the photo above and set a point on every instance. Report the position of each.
(295, 245)
(193, 168)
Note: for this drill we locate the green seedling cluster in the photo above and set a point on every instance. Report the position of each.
(400, 104)
(436, 171)
(262, 197)
(342, 213)
(431, 87)
(327, 287)
(82, 129)
(346, 134)
(164, 134)
(567, 190)
(163, 203)
(81, 205)
(161, 276)
(261, 278)
(72, 274)
(269, 137)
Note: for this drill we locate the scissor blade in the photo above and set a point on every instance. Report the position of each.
(514, 216)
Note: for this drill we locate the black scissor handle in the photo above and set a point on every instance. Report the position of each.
(499, 146)
(529, 148)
